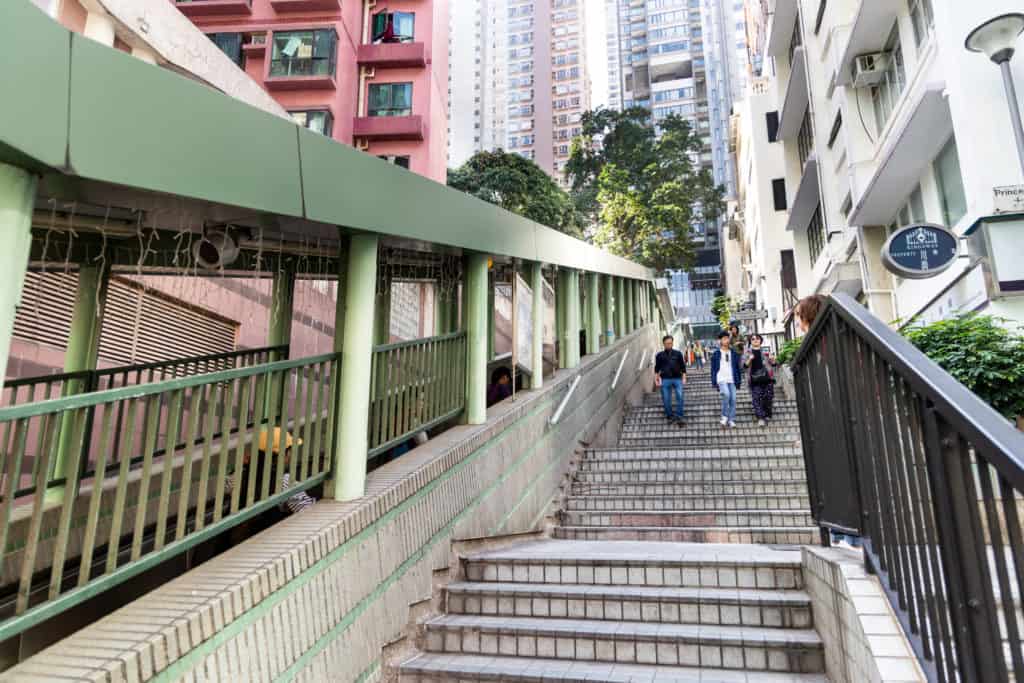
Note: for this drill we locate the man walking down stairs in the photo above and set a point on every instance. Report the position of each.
(676, 559)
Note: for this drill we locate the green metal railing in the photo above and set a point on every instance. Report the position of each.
(416, 385)
(187, 468)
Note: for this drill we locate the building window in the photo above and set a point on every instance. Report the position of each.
(922, 18)
(393, 27)
(230, 44)
(951, 184)
(390, 99)
(317, 120)
(304, 53)
(772, 121)
(805, 139)
(816, 235)
(402, 161)
(779, 194)
(886, 94)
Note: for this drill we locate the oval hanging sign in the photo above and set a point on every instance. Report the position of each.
(920, 251)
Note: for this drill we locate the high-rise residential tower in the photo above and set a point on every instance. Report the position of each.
(369, 75)
(531, 86)
(685, 57)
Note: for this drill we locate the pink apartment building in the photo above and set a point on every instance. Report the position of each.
(372, 74)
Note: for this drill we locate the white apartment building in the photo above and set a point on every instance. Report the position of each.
(885, 119)
(759, 253)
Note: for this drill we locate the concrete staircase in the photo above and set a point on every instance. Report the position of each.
(652, 573)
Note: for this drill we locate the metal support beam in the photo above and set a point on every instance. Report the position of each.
(475, 311)
(572, 319)
(593, 313)
(357, 351)
(607, 308)
(537, 284)
(17, 197)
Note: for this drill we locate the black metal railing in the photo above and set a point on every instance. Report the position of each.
(930, 477)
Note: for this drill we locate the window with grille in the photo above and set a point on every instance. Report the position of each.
(816, 235)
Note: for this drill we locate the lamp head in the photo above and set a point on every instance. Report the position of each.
(997, 37)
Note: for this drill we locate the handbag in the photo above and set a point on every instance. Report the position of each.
(762, 375)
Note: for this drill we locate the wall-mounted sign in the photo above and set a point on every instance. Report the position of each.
(1008, 199)
(921, 251)
(750, 315)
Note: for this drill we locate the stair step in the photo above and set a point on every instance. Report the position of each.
(773, 501)
(688, 518)
(639, 564)
(692, 464)
(795, 486)
(678, 475)
(759, 535)
(745, 648)
(714, 606)
(725, 440)
(438, 668)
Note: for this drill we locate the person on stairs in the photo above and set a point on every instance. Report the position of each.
(670, 375)
(726, 376)
(759, 363)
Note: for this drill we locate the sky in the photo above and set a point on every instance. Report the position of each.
(597, 63)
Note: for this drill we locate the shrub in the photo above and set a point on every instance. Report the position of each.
(788, 350)
(981, 353)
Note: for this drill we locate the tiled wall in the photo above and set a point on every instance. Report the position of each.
(863, 640)
(316, 597)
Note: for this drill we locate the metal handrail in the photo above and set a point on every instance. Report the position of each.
(930, 476)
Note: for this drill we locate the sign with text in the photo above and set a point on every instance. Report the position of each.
(1008, 199)
(750, 315)
(921, 251)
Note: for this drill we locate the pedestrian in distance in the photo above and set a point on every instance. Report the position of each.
(761, 375)
(699, 355)
(726, 376)
(735, 338)
(670, 375)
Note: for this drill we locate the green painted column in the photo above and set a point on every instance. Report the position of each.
(608, 308)
(83, 347)
(537, 315)
(560, 320)
(17, 198)
(630, 308)
(475, 311)
(593, 313)
(357, 350)
(491, 322)
(382, 319)
(282, 306)
(620, 308)
(572, 319)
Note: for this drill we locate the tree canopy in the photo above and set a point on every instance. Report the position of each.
(518, 185)
(643, 188)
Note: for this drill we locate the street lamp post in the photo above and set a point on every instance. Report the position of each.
(996, 38)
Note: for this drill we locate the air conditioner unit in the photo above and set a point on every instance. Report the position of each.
(869, 69)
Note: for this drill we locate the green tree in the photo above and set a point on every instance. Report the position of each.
(518, 185)
(640, 187)
(980, 352)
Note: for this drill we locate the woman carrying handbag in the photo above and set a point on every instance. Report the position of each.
(762, 379)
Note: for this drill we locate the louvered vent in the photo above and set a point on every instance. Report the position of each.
(139, 326)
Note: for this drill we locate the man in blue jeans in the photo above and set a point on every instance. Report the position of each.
(727, 377)
(670, 370)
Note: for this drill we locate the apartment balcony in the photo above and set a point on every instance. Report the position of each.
(392, 55)
(870, 30)
(305, 5)
(913, 141)
(781, 25)
(213, 8)
(388, 128)
(807, 197)
(795, 101)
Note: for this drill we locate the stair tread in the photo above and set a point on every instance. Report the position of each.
(685, 496)
(717, 527)
(641, 552)
(493, 667)
(752, 635)
(727, 595)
